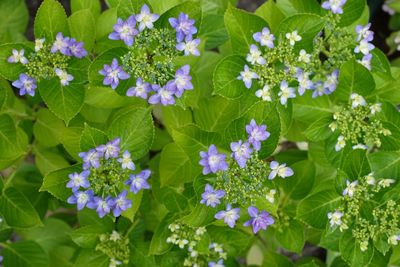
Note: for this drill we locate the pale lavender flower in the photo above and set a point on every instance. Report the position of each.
(183, 25)
(113, 73)
(78, 180)
(363, 33)
(182, 81)
(140, 90)
(139, 181)
(145, 18)
(350, 189)
(332, 81)
(26, 84)
(212, 161)
(65, 78)
(102, 206)
(126, 161)
(81, 198)
(279, 170)
(125, 31)
(265, 38)
(364, 47)
(255, 56)
(335, 218)
(336, 6)
(247, 76)
(211, 197)
(18, 57)
(77, 48)
(286, 92)
(61, 44)
(241, 152)
(304, 81)
(109, 150)
(90, 159)
(257, 134)
(163, 95)
(220, 263)
(258, 220)
(366, 61)
(319, 89)
(229, 215)
(189, 46)
(120, 203)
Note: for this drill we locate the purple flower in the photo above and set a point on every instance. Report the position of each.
(247, 76)
(229, 215)
(182, 80)
(81, 198)
(334, 5)
(364, 33)
(285, 92)
(26, 84)
(265, 38)
(78, 180)
(139, 181)
(90, 159)
(332, 81)
(109, 150)
(125, 31)
(77, 49)
(212, 161)
(61, 44)
(102, 206)
(126, 161)
(255, 56)
(113, 73)
(163, 95)
(304, 81)
(220, 263)
(145, 18)
(320, 89)
(18, 56)
(140, 90)
(364, 47)
(211, 197)
(65, 78)
(366, 61)
(241, 152)
(120, 203)
(257, 134)
(280, 170)
(183, 26)
(189, 47)
(258, 220)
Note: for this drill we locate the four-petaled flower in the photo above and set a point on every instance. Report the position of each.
(65, 78)
(212, 161)
(363, 32)
(335, 218)
(126, 161)
(247, 76)
(264, 93)
(90, 159)
(255, 56)
(81, 198)
(341, 143)
(229, 215)
(102, 206)
(286, 92)
(145, 18)
(113, 73)
(350, 189)
(293, 37)
(139, 181)
(211, 197)
(163, 95)
(219, 263)
(26, 84)
(182, 81)
(189, 46)
(258, 220)
(364, 47)
(257, 134)
(77, 48)
(18, 57)
(265, 38)
(61, 44)
(120, 203)
(140, 90)
(241, 152)
(183, 25)
(336, 6)
(109, 150)
(125, 31)
(357, 100)
(279, 170)
(78, 180)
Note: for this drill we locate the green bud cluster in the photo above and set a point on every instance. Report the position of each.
(152, 56)
(41, 64)
(196, 242)
(116, 247)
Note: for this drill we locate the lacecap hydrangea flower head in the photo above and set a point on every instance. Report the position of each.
(50, 58)
(150, 61)
(282, 69)
(242, 180)
(107, 177)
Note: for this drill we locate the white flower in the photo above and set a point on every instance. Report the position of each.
(247, 76)
(126, 161)
(357, 100)
(255, 56)
(18, 56)
(375, 108)
(264, 94)
(304, 57)
(182, 242)
(364, 47)
(115, 236)
(333, 126)
(189, 47)
(393, 240)
(360, 146)
(114, 263)
(293, 37)
(271, 196)
(386, 182)
(364, 245)
(65, 78)
(285, 92)
(335, 218)
(280, 170)
(39, 44)
(173, 227)
(370, 179)
(340, 144)
(200, 231)
(350, 189)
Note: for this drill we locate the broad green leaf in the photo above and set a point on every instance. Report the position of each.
(11, 142)
(88, 217)
(92, 258)
(105, 23)
(135, 128)
(82, 27)
(319, 130)
(301, 183)
(11, 71)
(87, 236)
(103, 97)
(292, 236)
(241, 26)
(24, 254)
(199, 216)
(50, 19)
(56, 181)
(176, 117)
(310, 109)
(352, 11)
(70, 138)
(158, 245)
(17, 210)
(94, 6)
(64, 101)
(271, 13)
(351, 252)
(385, 164)
(47, 128)
(356, 164)
(91, 138)
(127, 8)
(48, 160)
(272, 259)
(136, 200)
(313, 209)
(214, 31)
(14, 19)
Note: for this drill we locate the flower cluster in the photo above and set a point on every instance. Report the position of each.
(358, 124)
(47, 61)
(151, 57)
(366, 213)
(241, 180)
(278, 67)
(116, 247)
(193, 240)
(101, 184)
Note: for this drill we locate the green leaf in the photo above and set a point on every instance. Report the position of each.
(354, 78)
(319, 130)
(14, 19)
(135, 128)
(313, 209)
(127, 8)
(49, 160)
(12, 145)
(301, 183)
(136, 200)
(272, 259)
(356, 164)
(351, 252)
(387, 88)
(103, 97)
(47, 128)
(8, 70)
(105, 23)
(385, 164)
(24, 254)
(50, 19)
(213, 31)
(87, 236)
(56, 181)
(93, 6)
(271, 13)
(91, 138)
(292, 236)
(17, 210)
(64, 101)
(310, 109)
(158, 243)
(199, 216)
(82, 27)
(352, 11)
(241, 26)
(92, 258)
